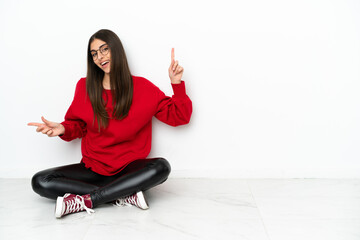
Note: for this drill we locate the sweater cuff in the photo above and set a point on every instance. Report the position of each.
(67, 135)
(179, 89)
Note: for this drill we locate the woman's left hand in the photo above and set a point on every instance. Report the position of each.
(175, 70)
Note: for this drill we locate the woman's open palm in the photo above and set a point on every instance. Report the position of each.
(52, 129)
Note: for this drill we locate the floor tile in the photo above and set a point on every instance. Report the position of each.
(309, 207)
(305, 187)
(314, 229)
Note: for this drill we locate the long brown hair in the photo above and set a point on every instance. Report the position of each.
(121, 83)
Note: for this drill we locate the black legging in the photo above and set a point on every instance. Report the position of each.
(139, 175)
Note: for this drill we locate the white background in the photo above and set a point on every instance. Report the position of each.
(274, 84)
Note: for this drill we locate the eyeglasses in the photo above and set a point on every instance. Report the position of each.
(104, 50)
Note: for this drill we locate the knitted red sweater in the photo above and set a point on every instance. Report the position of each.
(107, 152)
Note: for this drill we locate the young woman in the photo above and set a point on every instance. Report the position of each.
(112, 113)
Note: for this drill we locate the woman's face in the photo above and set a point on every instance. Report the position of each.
(101, 54)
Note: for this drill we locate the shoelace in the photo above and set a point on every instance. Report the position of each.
(128, 201)
(77, 205)
(121, 202)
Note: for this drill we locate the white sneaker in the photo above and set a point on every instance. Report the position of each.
(136, 199)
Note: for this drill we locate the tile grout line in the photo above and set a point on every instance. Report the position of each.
(262, 220)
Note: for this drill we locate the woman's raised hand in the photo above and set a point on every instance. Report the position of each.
(52, 129)
(175, 70)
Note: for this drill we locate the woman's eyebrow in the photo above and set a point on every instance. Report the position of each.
(99, 47)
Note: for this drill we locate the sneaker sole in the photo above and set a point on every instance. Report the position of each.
(142, 201)
(58, 207)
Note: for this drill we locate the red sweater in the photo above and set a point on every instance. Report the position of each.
(107, 152)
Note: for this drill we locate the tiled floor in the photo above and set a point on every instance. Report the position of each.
(264, 209)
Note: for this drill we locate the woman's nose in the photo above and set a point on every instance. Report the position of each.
(100, 56)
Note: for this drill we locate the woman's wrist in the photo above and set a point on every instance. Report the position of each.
(62, 132)
(175, 81)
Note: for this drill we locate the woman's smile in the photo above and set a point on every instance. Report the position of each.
(105, 64)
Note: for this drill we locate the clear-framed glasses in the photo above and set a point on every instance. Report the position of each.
(103, 49)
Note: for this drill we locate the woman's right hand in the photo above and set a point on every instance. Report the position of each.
(52, 129)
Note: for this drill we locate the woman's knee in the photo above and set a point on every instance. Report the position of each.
(37, 182)
(162, 167)
(40, 183)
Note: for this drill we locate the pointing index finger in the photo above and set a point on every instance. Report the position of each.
(34, 124)
(172, 54)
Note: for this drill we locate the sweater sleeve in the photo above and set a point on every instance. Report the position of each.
(175, 110)
(74, 127)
